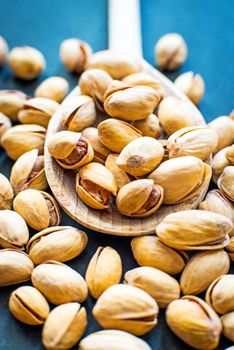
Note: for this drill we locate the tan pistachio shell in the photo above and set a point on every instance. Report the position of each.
(219, 163)
(192, 85)
(220, 294)
(120, 176)
(224, 128)
(230, 154)
(226, 182)
(6, 193)
(5, 124)
(142, 78)
(230, 248)
(228, 325)
(101, 152)
(148, 126)
(11, 101)
(54, 88)
(74, 53)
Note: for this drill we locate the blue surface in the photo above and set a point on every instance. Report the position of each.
(208, 29)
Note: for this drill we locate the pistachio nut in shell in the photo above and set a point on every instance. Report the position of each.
(38, 208)
(70, 149)
(224, 128)
(54, 88)
(114, 340)
(228, 325)
(95, 184)
(6, 193)
(192, 85)
(5, 124)
(230, 248)
(15, 267)
(220, 294)
(11, 101)
(74, 53)
(195, 322)
(194, 230)
(128, 308)
(226, 182)
(104, 270)
(120, 176)
(29, 306)
(219, 163)
(101, 152)
(149, 251)
(202, 269)
(142, 78)
(148, 126)
(61, 243)
(161, 286)
(59, 283)
(3, 50)
(139, 198)
(230, 154)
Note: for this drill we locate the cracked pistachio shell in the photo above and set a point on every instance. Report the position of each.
(6, 193)
(142, 78)
(15, 267)
(202, 269)
(220, 294)
(11, 101)
(226, 182)
(94, 185)
(149, 251)
(194, 230)
(37, 110)
(194, 321)
(23, 138)
(126, 308)
(101, 152)
(29, 306)
(120, 176)
(139, 198)
(114, 340)
(3, 50)
(230, 154)
(230, 248)
(64, 326)
(74, 53)
(54, 88)
(61, 243)
(161, 286)
(104, 270)
(13, 230)
(192, 85)
(38, 208)
(59, 283)
(181, 178)
(219, 163)
(5, 124)
(194, 141)
(148, 126)
(224, 128)
(228, 325)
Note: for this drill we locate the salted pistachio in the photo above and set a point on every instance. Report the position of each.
(149, 251)
(194, 230)
(6, 193)
(59, 283)
(194, 141)
(228, 325)
(148, 126)
(64, 326)
(202, 269)
(104, 270)
(3, 50)
(37, 110)
(181, 178)
(23, 138)
(95, 184)
(141, 156)
(219, 163)
(11, 101)
(94, 83)
(54, 88)
(5, 124)
(70, 149)
(195, 322)
(126, 308)
(161, 286)
(13, 230)
(230, 248)
(224, 128)
(139, 198)
(101, 152)
(29, 306)
(129, 102)
(220, 294)
(175, 114)
(192, 85)
(60, 243)
(114, 340)
(226, 182)
(120, 176)
(79, 114)
(38, 208)
(230, 154)
(15, 267)
(143, 78)
(74, 53)
(26, 62)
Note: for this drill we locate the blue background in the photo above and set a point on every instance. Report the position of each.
(208, 30)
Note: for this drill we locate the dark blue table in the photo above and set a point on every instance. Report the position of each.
(207, 26)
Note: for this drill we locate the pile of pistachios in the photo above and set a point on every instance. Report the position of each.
(135, 148)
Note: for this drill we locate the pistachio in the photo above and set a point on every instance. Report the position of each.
(104, 270)
(142, 78)
(139, 198)
(116, 134)
(230, 154)
(11, 101)
(5, 124)
(219, 163)
(101, 152)
(226, 182)
(23, 138)
(59, 283)
(61, 243)
(220, 294)
(194, 230)
(149, 251)
(230, 248)
(6, 193)
(120, 176)
(70, 149)
(64, 326)
(29, 306)
(74, 53)
(80, 113)
(228, 325)
(126, 308)
(224, 128)
(148, 126)
(54, 88)
(26, 62)
(3, 50)
(194, 321)
(38, 208)
(162, 287)
(192, 85)
(94, 185)
(15, 267)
